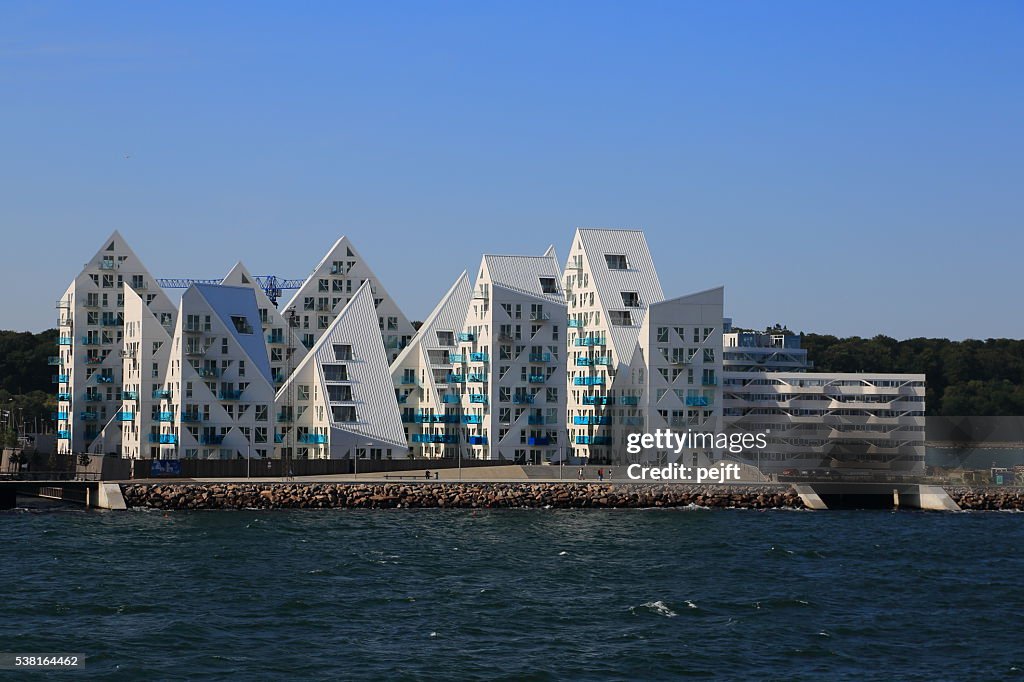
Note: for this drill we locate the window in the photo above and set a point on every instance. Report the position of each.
(446, 338)
(620, 318)
(339, 393)
(630, 299)
(302, 392)
(335, 372)
(615, 261)
(261, 413)
(308, 303)
(342, 351)
(662, 334)
(343, 413)
(548, 285)
(241, 323)
(241, 368)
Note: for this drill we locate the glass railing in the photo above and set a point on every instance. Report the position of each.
(435, 438)
(163, 438)
(629, 400)
(477, 398)
(229, 395)
(63, 435)
(165, 417)
(456, 357)
(59, 379)
(90, 341)
(479, 357)
(539, 441)
(537, 378)
(64, 341)
(125, 416)
(88, 416)
(696, 401)
(161, 394)
(590, 341)
(477, 440)
(211, 439)
(191, 417)
(129, 395)
(540, 357)
(63, 396)
(476, 378)
(598, 400)
(522, 399)
(587, 419)
(456, 378)
(588, 381)
(104, 379)
(576, 323)
(53, 360)
(466, 336)
(450, 399)
(313, 438)
(472, 419)
(534, 419)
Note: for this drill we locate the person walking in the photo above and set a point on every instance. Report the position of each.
(580, 475)
(600, 474)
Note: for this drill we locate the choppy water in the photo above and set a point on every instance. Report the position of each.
(533, 595)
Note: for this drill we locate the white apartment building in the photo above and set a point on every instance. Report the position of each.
(205, 392)
(330, 287)
(88, 365)
(431, 414)
(637, 362)
(340, 402)
(509, 367)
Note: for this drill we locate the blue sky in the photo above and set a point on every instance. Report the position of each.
(849, 168)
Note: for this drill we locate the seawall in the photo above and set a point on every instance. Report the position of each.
(453, 495)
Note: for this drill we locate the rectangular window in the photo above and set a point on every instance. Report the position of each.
(342, 352)
(631, 299)
(615, 261)
(548, 285)
(446, 338)
(620, 318)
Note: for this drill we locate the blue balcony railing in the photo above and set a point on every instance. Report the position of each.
(125, 416)
(275, 337)
(456, 378)
(540, 357)
(104, 379)
(576, 323)
(456, 357)
(602, 360)
(536, 441)
(629, 400)
(590, 341)
(477, 440)
(588, 381)
(162, 394)
(129, 395)
(535, 419)
(446, 438)
(696, 401)
(88, 416)
(432, 418)
(451, 399)
(191, 417)
(537, 378)
(90, 341)
(408, 380)
(584, 362)
(165, 417)
(403, 397)
(522, 399)
(64, 341)
(208, 372)
(278, 437)
(633, 421)
(472, 419)
(478, 398)
(598, 400)
(587, 419)
(93, 398)
(313, 438)
(593, 440)
(479, 357)
(229, 395)
(163, 438)
(53, 360)
(476, 378)
(466, 336)
(63, 396)
(59, 378)
(211, 439)
(59, 416)
(63, 434)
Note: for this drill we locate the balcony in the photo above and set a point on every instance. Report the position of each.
(209, 372)
(472, 419)
(522, 399)
(94, 360)
(477, 440)
(195, 350)
(696, 401)
(629, 400)
(283, 417)
(191, 417)
(409, 381)
(59, 379)
(88, 416)
(278, 437)
(598, 400)
(111, 322)
(456, 378)
(633, 421)
(64, 396)
(588, 381)
(64, 341)
(125, 416)
(587, 420)
(129, 395)
(449, 439)
(476, 378)
(163, 438)
(450, 399)
(456, 357)
(59, 416)
(539, 441)
(590, 341)
(577, 324)
(584, 362)
(430, 418)
(104, 379)
(165, 417)
(539, 316)
(229, 395)
(53, 360)
(106, 264)
(275, 337)
(603, 360)
(479, 357)
(593, 440)
(708, 381)
(466, 336)
(162, 394)
(63, 435)
(540, 357)
(93, 398)
(478, 398)
(535, 420)
(211, 439)
(313, 438)
(90, 341)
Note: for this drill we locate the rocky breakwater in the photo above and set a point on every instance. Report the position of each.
(453, 495)
(988, 499)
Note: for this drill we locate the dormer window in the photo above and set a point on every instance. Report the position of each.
(548, 285)
(630, 299)
(616, 261)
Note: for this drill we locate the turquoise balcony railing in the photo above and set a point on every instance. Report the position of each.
(63, 396)
(211, 439)
(313, 438)
(476, 378)
(709, 381)
(165, 417)
(522, 399)
(64, 341)
(275, 337)
(110, 322)
(208, 372)
(456, 378)
(456, 357)
(59, 416)
(435, 438)
(431, 418)
(535, 419)
(408, 380)
(477, 398)
(278, 437)
(590, 341)
(629, 400)
(59, 378)
(284, 416)
(583, 362)
(479, 357)
(593, 440)
(588, 381)
(163, 438)
(466, 336)
(93, 341)
(602, 360)
(587, 419)
(104, 379)
(472, 419)
(93, 397)
(191, 417)
(696, 401)
(576, 323)
(598, 400)
(88, 416)
(633, 421)
(129, 395)
(539, 441)
(63, 435)
(537, 378)
(53, 360)
(540, 357)
(229, 395)
(125, 416)
(162, 394)
(403, 398)
(450, 399)
(477, 440)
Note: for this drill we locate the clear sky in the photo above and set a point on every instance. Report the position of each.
(849, 168)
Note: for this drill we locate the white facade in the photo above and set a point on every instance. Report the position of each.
(331, 286)
(340, 401)
(90, 324)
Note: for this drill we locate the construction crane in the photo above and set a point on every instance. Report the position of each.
(272, 285)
